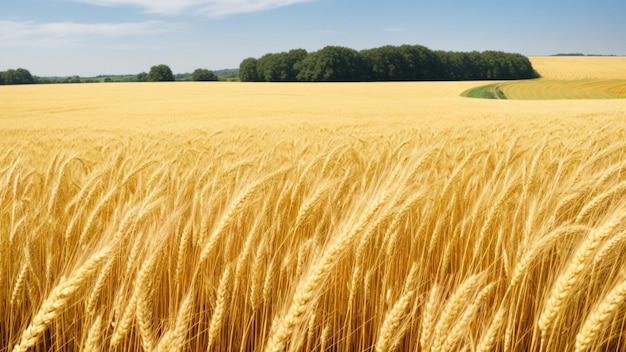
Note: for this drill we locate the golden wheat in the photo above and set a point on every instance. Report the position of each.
(323, 217)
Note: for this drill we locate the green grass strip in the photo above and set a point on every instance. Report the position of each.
(490, 91)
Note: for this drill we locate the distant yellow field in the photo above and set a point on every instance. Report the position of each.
(309, 217)
(580, 67)
(564, 78)
(559, 89)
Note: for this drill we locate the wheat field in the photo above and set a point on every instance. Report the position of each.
(580, 67)
(574, 89)
(563, 78)
(299, 217)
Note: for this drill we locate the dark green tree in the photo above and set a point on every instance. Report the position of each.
(386, 63)
(248, 70)
(293, 61)
(2, 77)
(333, 64)
(421, 62)
(19, 76)
(280, 67)
(269, 67)
(142, 77)
(160, 73)
(202, 74)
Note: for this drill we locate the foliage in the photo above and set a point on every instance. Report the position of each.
(142, 77)
(160, 73)
(73, 79)
(332, 64)
(280, 67)
(18, 76)
(203, 75)
(248, 70)
(387, 63)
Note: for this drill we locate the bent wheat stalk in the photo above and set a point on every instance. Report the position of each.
(53, 306)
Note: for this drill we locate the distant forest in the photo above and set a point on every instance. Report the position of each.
(387, 63)
(157, 73)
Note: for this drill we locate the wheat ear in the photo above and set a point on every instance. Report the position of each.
(461, 325)
(181, 254)
(57, 184)
(596, 202)
(60, 295)
(123, 325)
(428, 317)
(394, 324)
(324, 337)
(453, 308)
(488, 339)
(533, 165)
(18, 288)
(99, 285)
(544, 244)
(231, 213)
(92, 215)
(92, 344)
(268, 283)
(568, 280)
(309, 206)
(143, 290)
(600, 316)
(221, 306)
(256, 276)
(608, 248)
(391, 330)
(174, 339)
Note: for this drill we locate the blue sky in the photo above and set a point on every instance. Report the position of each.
(91, 37)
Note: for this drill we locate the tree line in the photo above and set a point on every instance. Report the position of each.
(163, 73)
(157, 73)
(387, 63)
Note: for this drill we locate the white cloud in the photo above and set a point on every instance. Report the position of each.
(31, 33)
(211, 8)
(156, 6)
(218, 8)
